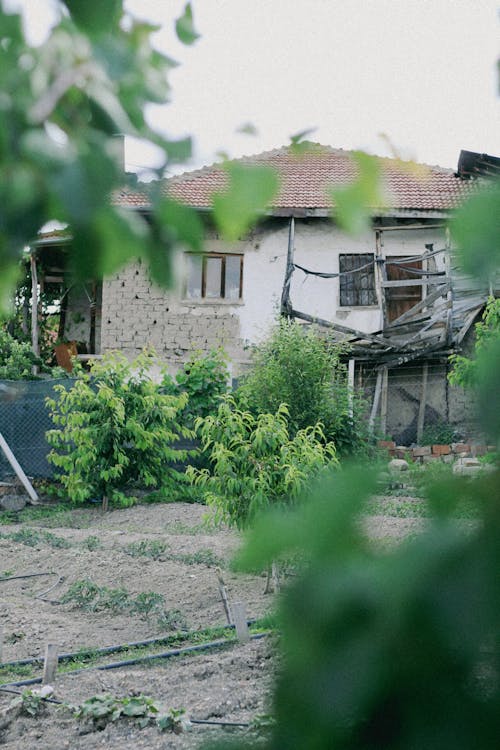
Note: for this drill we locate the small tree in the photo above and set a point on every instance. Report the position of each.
(297, 366)
(254, 463)
(115, 429)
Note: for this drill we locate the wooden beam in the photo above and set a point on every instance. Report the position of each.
(416, 282)
(429, 300)
(376, 401)
(34, 309)
(423, 400)
(340, 328)
(17, 468)
(286, 303)
(383, 400)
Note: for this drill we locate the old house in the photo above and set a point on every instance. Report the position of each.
(394, 293)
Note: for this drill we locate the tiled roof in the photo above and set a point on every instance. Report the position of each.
(307, 178)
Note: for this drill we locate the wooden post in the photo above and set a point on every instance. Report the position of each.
(381, 275)
(350, 386)
(448, 331)
(286, 305)
(240, 621)
(423, 399)
(1, 644)
(17, 468)
(50, 663)
(35, 345)
(383, 400)
(224, 596)
(376, 401)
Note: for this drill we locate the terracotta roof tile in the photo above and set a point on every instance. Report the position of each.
(306, 180)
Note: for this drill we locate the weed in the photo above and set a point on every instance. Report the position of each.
(147, 602)
(92, 543)
(154, 549)
(201, 557)
(15, 637)
(33, 538)
(89, 596)
(178, 527)
(171, 619)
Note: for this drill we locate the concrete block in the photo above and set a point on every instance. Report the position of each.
(424, 450)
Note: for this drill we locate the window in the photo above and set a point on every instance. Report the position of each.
(214, 276)
(357, 280)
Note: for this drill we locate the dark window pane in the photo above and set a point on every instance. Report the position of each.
(357, 280)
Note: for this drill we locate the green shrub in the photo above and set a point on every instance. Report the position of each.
(204, 379)
(297, 366)
(254, 463)
(439, 433)
(115, 429)
(16, 359)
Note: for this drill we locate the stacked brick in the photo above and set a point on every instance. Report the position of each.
(427, 453)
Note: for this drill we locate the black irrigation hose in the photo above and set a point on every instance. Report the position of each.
(144, 659)
(113, 649)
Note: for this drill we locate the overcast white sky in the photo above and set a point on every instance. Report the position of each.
(420, 71)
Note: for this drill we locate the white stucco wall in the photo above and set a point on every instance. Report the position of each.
(136, 313)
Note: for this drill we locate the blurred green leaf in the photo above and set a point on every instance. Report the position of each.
(184, 26)
(354, 204)
(247, 129)
(95, 17)
(476, 232)
(298, 142)
(251, 189)
(179, 223)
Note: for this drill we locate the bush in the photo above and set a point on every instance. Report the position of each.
(16, 359)
(297, 366)
(205, 380)
(254, 463)
(116, 429)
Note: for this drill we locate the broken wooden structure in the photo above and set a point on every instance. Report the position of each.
(427, 306)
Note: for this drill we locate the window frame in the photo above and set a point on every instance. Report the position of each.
(223, 278)
(344, 274)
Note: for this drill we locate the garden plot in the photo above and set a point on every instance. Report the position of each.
(125, 576)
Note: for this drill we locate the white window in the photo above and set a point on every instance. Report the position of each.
(214, 276)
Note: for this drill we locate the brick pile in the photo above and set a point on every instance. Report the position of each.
(427, 453)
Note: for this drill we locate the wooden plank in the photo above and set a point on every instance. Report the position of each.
(376, 401)
(224, 597)
(421, 406)
(240, 621)
(381, 276)
(429, 300)
(337, 327)
(50, 664)
(34, 309)
(17, 468)
(286, 303)
(383, 400)
(416, 282)
(350, 386)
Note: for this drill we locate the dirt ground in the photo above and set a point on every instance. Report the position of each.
(232, 684)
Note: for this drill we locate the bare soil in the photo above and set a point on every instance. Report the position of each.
(231, 684)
